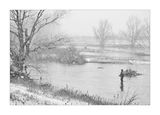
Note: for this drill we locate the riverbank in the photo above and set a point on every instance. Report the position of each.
(30, 93)
(79, 56)
(69, 55)
(20, 95)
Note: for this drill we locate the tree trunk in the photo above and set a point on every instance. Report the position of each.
(21, 48)
(27, 49)
(133, 41)
(21, 56)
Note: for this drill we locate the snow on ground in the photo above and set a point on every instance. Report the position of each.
(19, 95)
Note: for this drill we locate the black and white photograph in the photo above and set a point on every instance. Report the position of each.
(79, 57)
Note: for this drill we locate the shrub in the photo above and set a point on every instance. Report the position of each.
(70, 56)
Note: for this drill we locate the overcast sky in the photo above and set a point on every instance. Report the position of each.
(81, 22)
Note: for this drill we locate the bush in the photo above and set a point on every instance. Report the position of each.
(70, 56)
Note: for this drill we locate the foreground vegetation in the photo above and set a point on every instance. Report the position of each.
(47, 94)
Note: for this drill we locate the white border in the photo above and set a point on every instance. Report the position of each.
(6, 5)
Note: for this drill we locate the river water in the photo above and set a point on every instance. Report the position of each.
(100, 79)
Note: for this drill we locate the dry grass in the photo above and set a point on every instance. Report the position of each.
(94, 99)
(68, 93)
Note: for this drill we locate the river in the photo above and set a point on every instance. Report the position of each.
(100, 79)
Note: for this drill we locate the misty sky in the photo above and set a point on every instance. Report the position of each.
(81, 22)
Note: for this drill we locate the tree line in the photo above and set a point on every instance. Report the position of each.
(136, 30)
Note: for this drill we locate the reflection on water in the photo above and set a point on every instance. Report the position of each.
(101, 79)
(121, 86)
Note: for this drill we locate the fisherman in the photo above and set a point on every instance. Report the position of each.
(121, 76)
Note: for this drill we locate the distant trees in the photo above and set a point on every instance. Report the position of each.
(146, 30)
(103, 32)
(133, 30)
(24, 25)
(137, 32)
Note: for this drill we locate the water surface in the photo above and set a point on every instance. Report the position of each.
(100, 79)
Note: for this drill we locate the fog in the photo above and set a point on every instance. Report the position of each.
(81, 22)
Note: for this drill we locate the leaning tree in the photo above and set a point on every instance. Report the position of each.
(24, 25)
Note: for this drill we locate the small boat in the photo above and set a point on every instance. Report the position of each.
(100, 67)
(131, 73)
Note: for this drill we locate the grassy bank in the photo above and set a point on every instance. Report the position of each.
(34, 93)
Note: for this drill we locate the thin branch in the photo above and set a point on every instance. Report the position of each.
(13, 26)
(14, 33)
(45, 24)
(47, 45)
(39, 15)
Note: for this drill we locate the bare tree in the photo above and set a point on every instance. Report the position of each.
(103, 32)
(133, 30)
(25, 24)
(146, 30)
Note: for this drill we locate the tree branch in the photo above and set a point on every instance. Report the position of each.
(39, 15)
(45, 24)
(14, 33)
(48, 46)
(41, 24)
